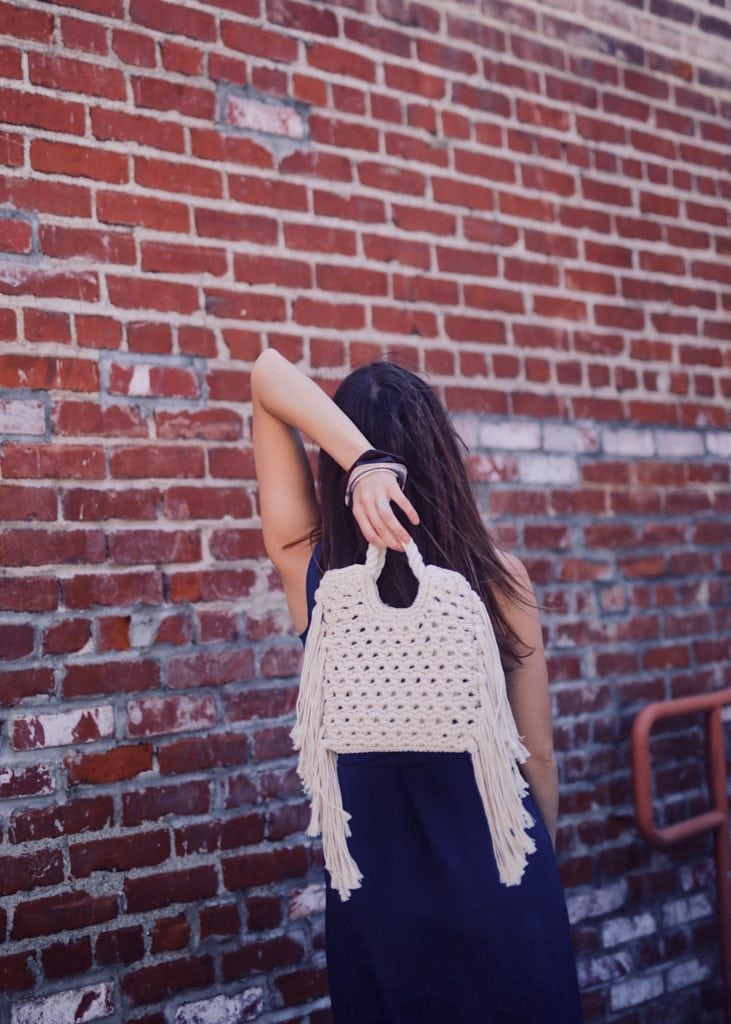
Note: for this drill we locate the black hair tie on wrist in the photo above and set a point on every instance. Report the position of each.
(371, 455)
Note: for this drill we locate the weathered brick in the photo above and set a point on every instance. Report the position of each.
(72, 1006)
(33, 780)
(158, 715)
(60, 728)
(223, 1009)
(90, 815)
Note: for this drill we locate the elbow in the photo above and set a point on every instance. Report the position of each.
(261, 368)
(542, 759)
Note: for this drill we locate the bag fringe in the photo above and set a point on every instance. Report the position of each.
(497, 748)
(317, 765)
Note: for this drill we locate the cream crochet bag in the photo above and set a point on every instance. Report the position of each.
(426, 677)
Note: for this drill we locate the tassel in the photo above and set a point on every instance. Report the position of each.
(305, 732)
(317, 766)
(496, 748)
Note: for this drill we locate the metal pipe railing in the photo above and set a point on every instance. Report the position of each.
(716, 819)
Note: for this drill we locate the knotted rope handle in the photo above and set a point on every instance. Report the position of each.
(376, 558)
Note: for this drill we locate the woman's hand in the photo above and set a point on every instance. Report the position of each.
(379, 525)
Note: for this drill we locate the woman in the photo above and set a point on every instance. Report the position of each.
(431, 935)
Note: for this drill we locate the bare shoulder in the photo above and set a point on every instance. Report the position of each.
(523, 612)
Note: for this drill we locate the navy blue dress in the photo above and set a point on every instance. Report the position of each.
(432, 936)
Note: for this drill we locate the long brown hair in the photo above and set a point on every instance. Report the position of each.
(400, 412)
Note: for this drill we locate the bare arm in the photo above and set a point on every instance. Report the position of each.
(285, 400)
(530, 701)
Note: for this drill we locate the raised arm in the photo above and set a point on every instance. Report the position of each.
(285, 401)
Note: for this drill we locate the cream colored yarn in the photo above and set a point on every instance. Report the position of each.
(426, 677)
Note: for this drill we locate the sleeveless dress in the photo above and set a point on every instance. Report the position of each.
(432, 936)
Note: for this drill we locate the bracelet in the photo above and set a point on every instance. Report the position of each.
(399, 470)
(368, 456)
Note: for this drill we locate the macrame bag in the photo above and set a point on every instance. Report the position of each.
(426, 677)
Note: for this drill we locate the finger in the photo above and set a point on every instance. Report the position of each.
(388, 526)
(366, 526)
(403, 502)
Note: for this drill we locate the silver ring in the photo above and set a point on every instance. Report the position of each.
(383, 503)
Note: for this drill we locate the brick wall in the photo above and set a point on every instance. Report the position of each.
(530, 203)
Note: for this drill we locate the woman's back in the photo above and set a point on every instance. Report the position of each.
(432, 936)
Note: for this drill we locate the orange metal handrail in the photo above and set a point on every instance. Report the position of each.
(716, 819)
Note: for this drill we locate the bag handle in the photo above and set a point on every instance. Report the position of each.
(376, 558)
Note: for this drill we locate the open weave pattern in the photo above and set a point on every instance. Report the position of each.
(427, 677)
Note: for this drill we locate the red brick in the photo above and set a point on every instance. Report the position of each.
(134, 547)
(223, 919)
(31, 682)
(301, 986)
(147, 211)
(18, 503)
(186, 60)
(15, 235)
(15, 972)
(38, 111)
(174, 18)
(123, 946)
(76, 160)
(146, 293)
(100, 246)
(45, 547)
(15, 641)
(261, 957)
(211, 669)
(110, 677)
(204, 424)
(160, 890)
(123, 588)
(169, 934)
(156, 802)
(119, 853)
(206, 503)
(92, 815)
(115, 765)
(83, 418)
(156, 461)
(200, 754)
(119, 126)
(53, 461)
(69, 910)
(63, 958)
(63, 75)
(254, 869)
(30, 871)
(153, 984)
(243, 830)
(81, 34)
(263, 913)
(134, 48)
(175, 176)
